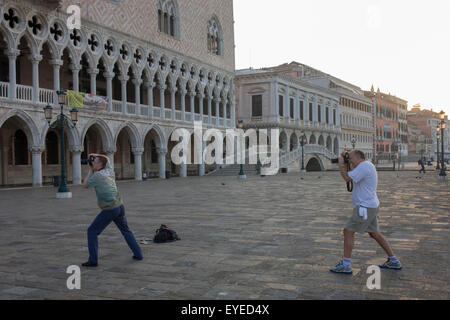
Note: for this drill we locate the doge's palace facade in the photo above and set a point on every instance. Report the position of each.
(162, 64)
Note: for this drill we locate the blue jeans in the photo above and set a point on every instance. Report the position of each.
(101, 222)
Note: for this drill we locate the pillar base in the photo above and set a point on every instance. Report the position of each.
(242, 177)
(64, 195)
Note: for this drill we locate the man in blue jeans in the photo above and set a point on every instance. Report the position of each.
(101, 177)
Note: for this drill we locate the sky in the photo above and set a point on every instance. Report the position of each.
(399, 46)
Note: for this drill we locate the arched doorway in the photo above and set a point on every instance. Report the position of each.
(124, 157)
(313, 165)
(15, 158)
(152, 143)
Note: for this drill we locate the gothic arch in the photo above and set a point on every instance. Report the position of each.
(133, 133)
(105, 132)
(29, 126)
(161, 139)
(73, 135)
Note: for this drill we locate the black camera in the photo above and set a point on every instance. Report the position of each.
(89, 161)
(346, 159)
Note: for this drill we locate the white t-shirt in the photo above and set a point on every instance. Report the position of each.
(365, 181)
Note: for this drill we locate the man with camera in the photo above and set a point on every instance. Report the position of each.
(101, 177)
(363, 175)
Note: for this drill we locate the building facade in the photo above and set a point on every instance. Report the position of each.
(271, 99)
(161, 64)
(422, 138)
(391, 126)
(356, 110)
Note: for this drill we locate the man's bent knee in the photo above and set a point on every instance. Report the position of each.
(374, 235)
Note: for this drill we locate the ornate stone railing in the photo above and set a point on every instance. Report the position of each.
(47, 96)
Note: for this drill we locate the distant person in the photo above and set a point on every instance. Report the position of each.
(421, 163)
(101, 177)
(365, 211)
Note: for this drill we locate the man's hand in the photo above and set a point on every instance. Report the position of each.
(343, 171)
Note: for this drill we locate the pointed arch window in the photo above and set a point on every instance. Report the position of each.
(168, 18)
(215, 37)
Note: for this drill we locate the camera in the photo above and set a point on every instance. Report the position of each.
(89, 161)
(346, 159)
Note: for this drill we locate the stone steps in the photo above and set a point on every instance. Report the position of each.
(233, 170)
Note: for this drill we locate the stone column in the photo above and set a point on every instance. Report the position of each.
(224, 112)
(35, 74)
(306, 109)
(287, 104)
(93, 74)
(137, 92)
(109, 76)
(37, 165)
(56, 82)
(138, 152)
(173, 90)
(209, 109)
(183, 170)
(149, 86)
(297, 107)
(12, 57)
(76, 164)
(315, 109)
(162, 90)
(183, 105)
(192, 103)
(110, 154)
(217, 99)
(123, 81)
(162, 163)
(233, 112)
(75, 76)
(201, 96)
(201, 170)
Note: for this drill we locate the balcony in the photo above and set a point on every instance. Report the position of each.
(47, 96)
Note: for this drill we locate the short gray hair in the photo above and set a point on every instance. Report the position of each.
(360, 154)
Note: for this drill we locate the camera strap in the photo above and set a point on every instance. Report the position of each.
(350, 186)
(350, 183)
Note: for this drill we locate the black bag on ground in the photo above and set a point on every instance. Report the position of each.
(164, 234)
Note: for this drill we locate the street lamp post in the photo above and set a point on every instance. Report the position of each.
(241, 172)
(353, 142)
(438, 137)
(63, 191)
(303, 141)
(442, 174)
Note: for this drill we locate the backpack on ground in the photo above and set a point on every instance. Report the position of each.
(164, 234)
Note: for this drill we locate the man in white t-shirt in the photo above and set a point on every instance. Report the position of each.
(365, 210)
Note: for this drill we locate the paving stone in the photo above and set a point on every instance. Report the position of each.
(271, 238)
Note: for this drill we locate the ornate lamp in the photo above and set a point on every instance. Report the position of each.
(48, 113)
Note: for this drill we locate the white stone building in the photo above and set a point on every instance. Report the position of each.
(270, 99)
(159, 69)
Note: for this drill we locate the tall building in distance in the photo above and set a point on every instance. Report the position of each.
(391, 126)
(160, 64)
(423, 142)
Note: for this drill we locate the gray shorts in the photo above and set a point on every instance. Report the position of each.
(358, 224)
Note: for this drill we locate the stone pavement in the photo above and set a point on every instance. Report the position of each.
(261, 238)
